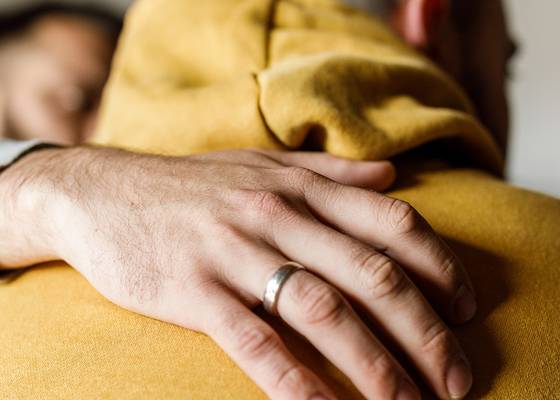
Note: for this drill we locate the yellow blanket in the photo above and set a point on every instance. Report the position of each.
(200, 75)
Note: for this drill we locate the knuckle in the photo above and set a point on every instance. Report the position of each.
(304, 180)
(449, 266)
(403, 218)
(385, 374)
(254, 342)
(438, 340)
(380, 366)
(319, 304)
(300, 175)
(292, 379)
(381, 277)
(270, 205)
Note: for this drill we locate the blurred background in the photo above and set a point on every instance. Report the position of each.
(534, 155)
(534, 152)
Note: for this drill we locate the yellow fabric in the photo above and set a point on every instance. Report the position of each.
(211, 75)
(193, 76)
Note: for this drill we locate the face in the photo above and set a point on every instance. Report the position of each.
(60, 69)
(471, 42)
(480, 61)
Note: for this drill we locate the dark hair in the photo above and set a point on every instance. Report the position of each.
(17, 21)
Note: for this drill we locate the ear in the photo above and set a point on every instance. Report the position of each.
(418, 21)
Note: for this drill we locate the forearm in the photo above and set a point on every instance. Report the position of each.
(43, 194)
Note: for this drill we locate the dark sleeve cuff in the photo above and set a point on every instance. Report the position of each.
(13, 150)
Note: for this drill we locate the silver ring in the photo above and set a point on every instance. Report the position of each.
(275, 283)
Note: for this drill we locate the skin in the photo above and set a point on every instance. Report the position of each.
(154, 251)
(51, 79)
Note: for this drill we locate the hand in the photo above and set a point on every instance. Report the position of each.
(194, 240)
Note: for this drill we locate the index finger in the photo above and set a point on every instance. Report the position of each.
(376, 175)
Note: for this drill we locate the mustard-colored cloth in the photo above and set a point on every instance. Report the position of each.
(193, 76)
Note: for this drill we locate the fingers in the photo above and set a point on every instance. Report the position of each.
(382, 288)
(376, 175)
(395, 228)
(325, 318)
(259, 351)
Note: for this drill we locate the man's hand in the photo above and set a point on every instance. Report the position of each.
(194, 240)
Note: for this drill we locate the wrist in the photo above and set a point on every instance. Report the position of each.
(29, 193)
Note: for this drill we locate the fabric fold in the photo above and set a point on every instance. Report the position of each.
(329, 78)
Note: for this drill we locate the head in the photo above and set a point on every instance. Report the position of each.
(57, 62)
(471, 41)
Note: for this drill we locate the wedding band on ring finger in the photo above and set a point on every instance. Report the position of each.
(275, 284)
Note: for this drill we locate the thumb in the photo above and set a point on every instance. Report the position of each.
(376, 175)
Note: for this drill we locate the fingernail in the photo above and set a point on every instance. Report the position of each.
(459, 379)
(407, 391)
(464, 306)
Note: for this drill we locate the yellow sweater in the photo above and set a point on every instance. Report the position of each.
(193, 76)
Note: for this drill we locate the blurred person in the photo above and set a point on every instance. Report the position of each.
(471, 41)
(468, 39)
(54, 61)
